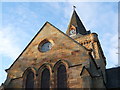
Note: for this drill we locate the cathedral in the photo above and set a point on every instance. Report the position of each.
(54, 59)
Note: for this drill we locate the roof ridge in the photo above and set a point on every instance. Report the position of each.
(35, 37)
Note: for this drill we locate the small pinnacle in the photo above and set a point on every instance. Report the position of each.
(74, 7)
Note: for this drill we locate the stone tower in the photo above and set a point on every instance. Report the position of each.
(77, 31)
(54, 59)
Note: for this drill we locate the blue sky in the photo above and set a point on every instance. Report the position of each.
(21, 21)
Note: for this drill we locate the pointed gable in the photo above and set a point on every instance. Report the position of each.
(63, 47)
(77, 23)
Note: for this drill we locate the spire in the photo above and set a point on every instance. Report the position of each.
(74, 7)
(76, 24)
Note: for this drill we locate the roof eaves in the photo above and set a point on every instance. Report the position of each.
(26, 46)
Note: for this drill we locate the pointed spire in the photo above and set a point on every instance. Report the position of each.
(76, 23)
(74, 7)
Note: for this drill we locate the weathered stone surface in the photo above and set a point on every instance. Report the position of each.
(82, 69)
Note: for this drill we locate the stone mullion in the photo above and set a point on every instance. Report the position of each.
(95, 48)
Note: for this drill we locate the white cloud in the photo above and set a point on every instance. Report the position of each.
(2, 72)
(112, 51)
(8, 44)
(94, 17)
(10, 47)
(102, 19)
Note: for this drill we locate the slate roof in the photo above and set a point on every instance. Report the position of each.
(113, 77)
(75, 21)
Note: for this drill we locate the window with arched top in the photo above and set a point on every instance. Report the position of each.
(61, 77)
(45, 78)
(29, 81)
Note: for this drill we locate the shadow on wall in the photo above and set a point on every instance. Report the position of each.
(113, 77)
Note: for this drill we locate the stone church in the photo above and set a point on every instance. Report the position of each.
(54, 59)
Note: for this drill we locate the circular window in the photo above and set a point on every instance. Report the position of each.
(44, 47)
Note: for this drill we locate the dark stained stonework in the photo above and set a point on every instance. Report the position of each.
(72, 61)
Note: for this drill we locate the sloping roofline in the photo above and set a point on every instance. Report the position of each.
(35, 37)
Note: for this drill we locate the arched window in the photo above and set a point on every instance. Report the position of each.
(45, 79)
(29, 80)
(61, 77)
